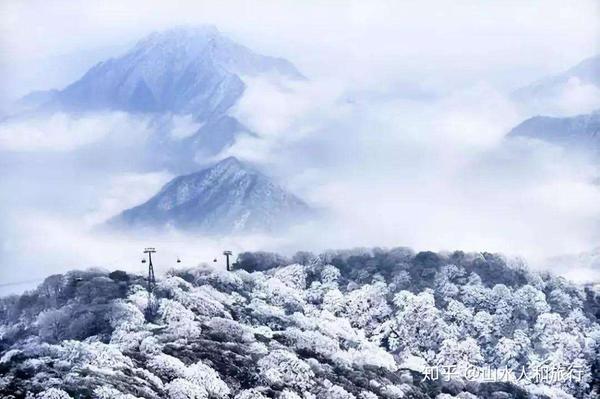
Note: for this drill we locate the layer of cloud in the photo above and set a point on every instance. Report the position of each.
(572, 98)
(37, 244)
(184, 126)
(64, 132)
(399, 133)
(435, 174)
(124, 191)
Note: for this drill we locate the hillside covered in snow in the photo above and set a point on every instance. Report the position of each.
(580, 133)
(190, 70)
(228, 197)
(185, 81)
(342, 325)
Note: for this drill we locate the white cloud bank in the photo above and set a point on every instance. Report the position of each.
(435, 174)
(60, 131)
(399, 132)
(572, 98)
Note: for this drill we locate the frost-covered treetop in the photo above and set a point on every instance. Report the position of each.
(345, 324)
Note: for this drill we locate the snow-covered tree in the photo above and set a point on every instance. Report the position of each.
(138, 296)
(167, 367)
(444, 281)
(400, 281)
(503, 317)
(334, 301)
(53, 393)
(53, 323)
(106, 392)
(207, 378)
(282, 295)
(530, 303)
(367, 354)
(459, 318)
(337, 392)
(193, 298)
(392, 391)
(250, 394)
(95, 354)
(312, 342)
(125, 316)
(184, 389)
(418, 325)
(367, 305)
(512, 352)
(179, 320)
(128, 323)
(52, 287)
(330, 276)
(483, 327)
(367, 395)
(294, 276)
(283, 369)
(475, 295)
(127, 340)
(289, 394)
(229, 330)
(460, 353)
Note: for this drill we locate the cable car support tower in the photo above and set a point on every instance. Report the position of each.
(151, 281)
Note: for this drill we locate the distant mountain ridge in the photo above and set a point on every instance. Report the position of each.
(226, 198)
(581, 132)
(194, 71)
(576, 90)
(587, 71)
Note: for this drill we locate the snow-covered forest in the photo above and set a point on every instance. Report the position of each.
(341, 325)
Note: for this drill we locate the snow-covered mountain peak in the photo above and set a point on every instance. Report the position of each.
(187, 44)
(206, 41)
(180, 33)
(229, 163)
(186, 70)
(227, 197)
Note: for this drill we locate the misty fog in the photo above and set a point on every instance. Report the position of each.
(400, 139)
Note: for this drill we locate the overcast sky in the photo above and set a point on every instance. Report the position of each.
(48, 43)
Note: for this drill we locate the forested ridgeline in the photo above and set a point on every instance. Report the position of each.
(344, 324)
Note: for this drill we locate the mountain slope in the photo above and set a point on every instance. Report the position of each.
(183, 70)
(587, 72)
(576, 90)
(357, 324)
(580, 132)
(227, 197)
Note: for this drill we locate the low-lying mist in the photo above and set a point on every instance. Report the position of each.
(431, 172)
